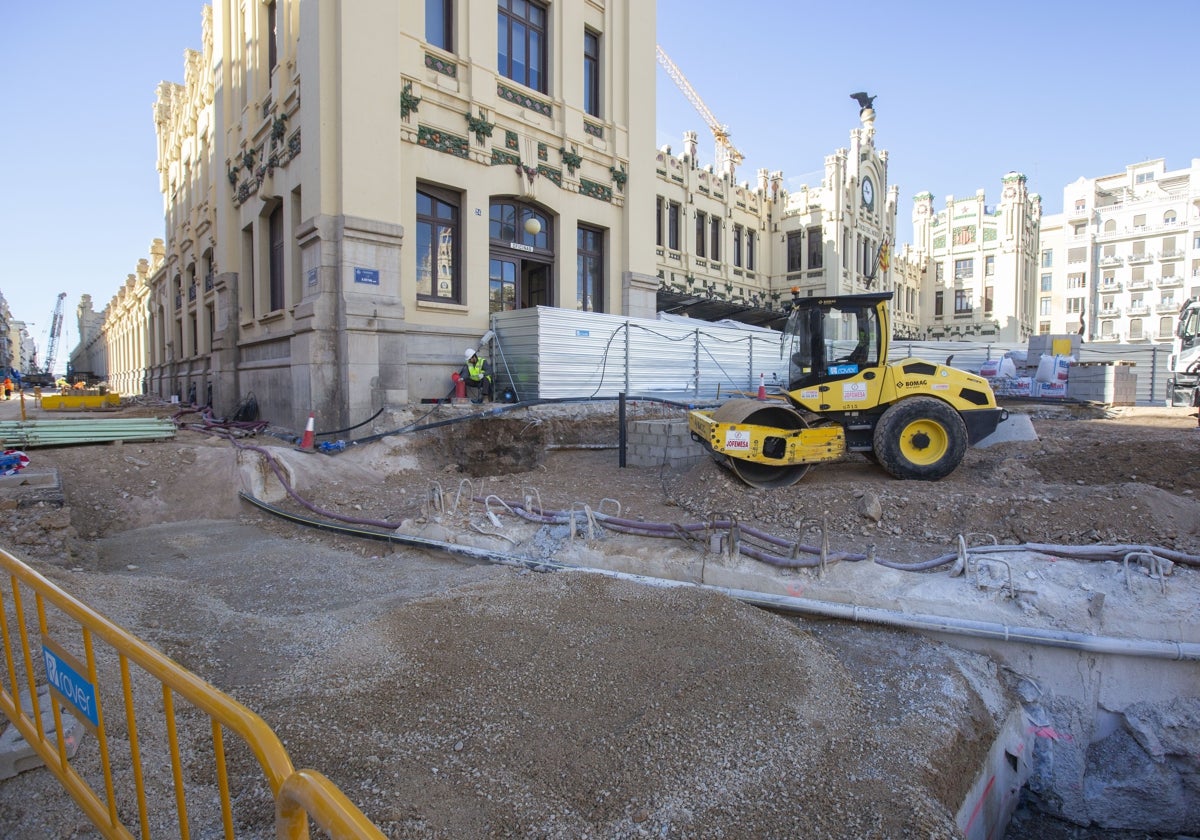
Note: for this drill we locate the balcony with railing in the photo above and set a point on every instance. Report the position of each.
(1111, 260)
(1110, 312)
(1136, 309)
(1142, 258)
(1111, 287)
(1169, 307)
(1143, 283)
(1172, 282)
(1172, 254)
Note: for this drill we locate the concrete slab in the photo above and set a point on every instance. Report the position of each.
(31, 486)
(1017, 427)
(16, 756)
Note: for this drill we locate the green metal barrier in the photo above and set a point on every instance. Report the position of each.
(97, 672)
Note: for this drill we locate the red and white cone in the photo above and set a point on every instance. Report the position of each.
(306, 443)
(762, 387)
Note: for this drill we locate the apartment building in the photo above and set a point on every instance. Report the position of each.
(1123, 256)
(351, 189)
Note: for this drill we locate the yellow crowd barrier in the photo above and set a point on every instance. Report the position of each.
(96, 671)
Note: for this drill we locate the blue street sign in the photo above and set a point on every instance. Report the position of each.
(72, 687)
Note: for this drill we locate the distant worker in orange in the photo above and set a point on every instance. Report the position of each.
(80, 385)
(7, 388)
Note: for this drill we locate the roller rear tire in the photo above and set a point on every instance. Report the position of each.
(920, 438)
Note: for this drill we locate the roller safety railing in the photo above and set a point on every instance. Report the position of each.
(101, 676)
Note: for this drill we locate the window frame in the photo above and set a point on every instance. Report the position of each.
(674, 212)
(446, 19)
(701, 233)
(453, 200)
(589, 279)
(276, 278)
(535, 54)
(591, 73)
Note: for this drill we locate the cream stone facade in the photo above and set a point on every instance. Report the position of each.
(977, 264)
(1123, 256)
(757, 245)
(351, 187)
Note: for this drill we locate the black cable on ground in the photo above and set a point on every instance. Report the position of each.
(351, 428)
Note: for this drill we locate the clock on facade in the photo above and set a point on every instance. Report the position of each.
(868, 193)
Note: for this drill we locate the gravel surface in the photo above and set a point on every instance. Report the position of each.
(452, 699)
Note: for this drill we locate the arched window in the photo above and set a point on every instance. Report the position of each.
(1169, 217)
(1166, 326)
(1110, 226)
(512, 221)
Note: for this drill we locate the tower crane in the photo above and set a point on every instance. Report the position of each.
(728, 157)
(55, 331)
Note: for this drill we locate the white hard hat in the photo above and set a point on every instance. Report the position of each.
(468, 353)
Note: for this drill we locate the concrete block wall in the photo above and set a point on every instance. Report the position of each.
(651, 443)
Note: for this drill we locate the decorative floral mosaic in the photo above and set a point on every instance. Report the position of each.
(989, 234)
(964, 235)
(446, 68)
(501, 157)
(939, 241)
(592, 129)
(442, 141)
(510, 141)
(594, 190)
(518, 98)
(543, 153)
(554, 175)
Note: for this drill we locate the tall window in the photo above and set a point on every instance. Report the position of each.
(701, 233)
(939, 272)
(591, 73)
(439, 24)
(989, 266)
(989, 298)
(816, 256)
(750, 250)
(737, 245)
(1044, 306)
(1048, 259)
(673, 226)
(964, 268)
(658, 221)
(275, 268)
(438, 270)
(795, 251)
(715, 239)
(521, 43)
(1047, 282)
(939, 306)
(962, 302)
(589, 293)
(272, 37)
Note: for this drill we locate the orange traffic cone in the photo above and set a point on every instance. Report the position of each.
(306, 444)
(762, 388)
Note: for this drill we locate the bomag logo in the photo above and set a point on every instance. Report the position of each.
(912, 383)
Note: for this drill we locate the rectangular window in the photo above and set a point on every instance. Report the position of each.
(275, 264)
(701, 233)
(673, 226)
(750, 250)
(938, 304)
(737, 245)
(816, 255)
(964, 269)
(1143, 177)
(988, 298)
(715, 240)
(939, 272)
(591, 73)
(1048, 258)
(989, 266)
(1043, 328)
(1076, 255)
(1047, 282)
(272, 38)
(795, 251)
(1135, 328)
(1074, 305)
(962, 302)
(521, 43)
(1044, 306)
(438, 270)
(589, 293)
(1077, 281)
(439, 23)
(1139, 221)
(658, 221)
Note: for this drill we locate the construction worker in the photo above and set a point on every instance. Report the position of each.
(477, 374)
(8, 388)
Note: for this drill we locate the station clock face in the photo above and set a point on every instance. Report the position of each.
(868, 193)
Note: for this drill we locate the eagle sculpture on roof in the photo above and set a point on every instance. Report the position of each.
(864, 101)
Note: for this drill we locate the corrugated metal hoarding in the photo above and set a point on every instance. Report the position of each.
(554, 353)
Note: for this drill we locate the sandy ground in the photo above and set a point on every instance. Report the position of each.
(451, 699)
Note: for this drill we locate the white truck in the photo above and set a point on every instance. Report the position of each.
(1183, 366)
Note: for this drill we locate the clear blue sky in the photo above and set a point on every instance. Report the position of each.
(965, 93)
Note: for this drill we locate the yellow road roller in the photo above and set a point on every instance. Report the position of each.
(914, 418)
